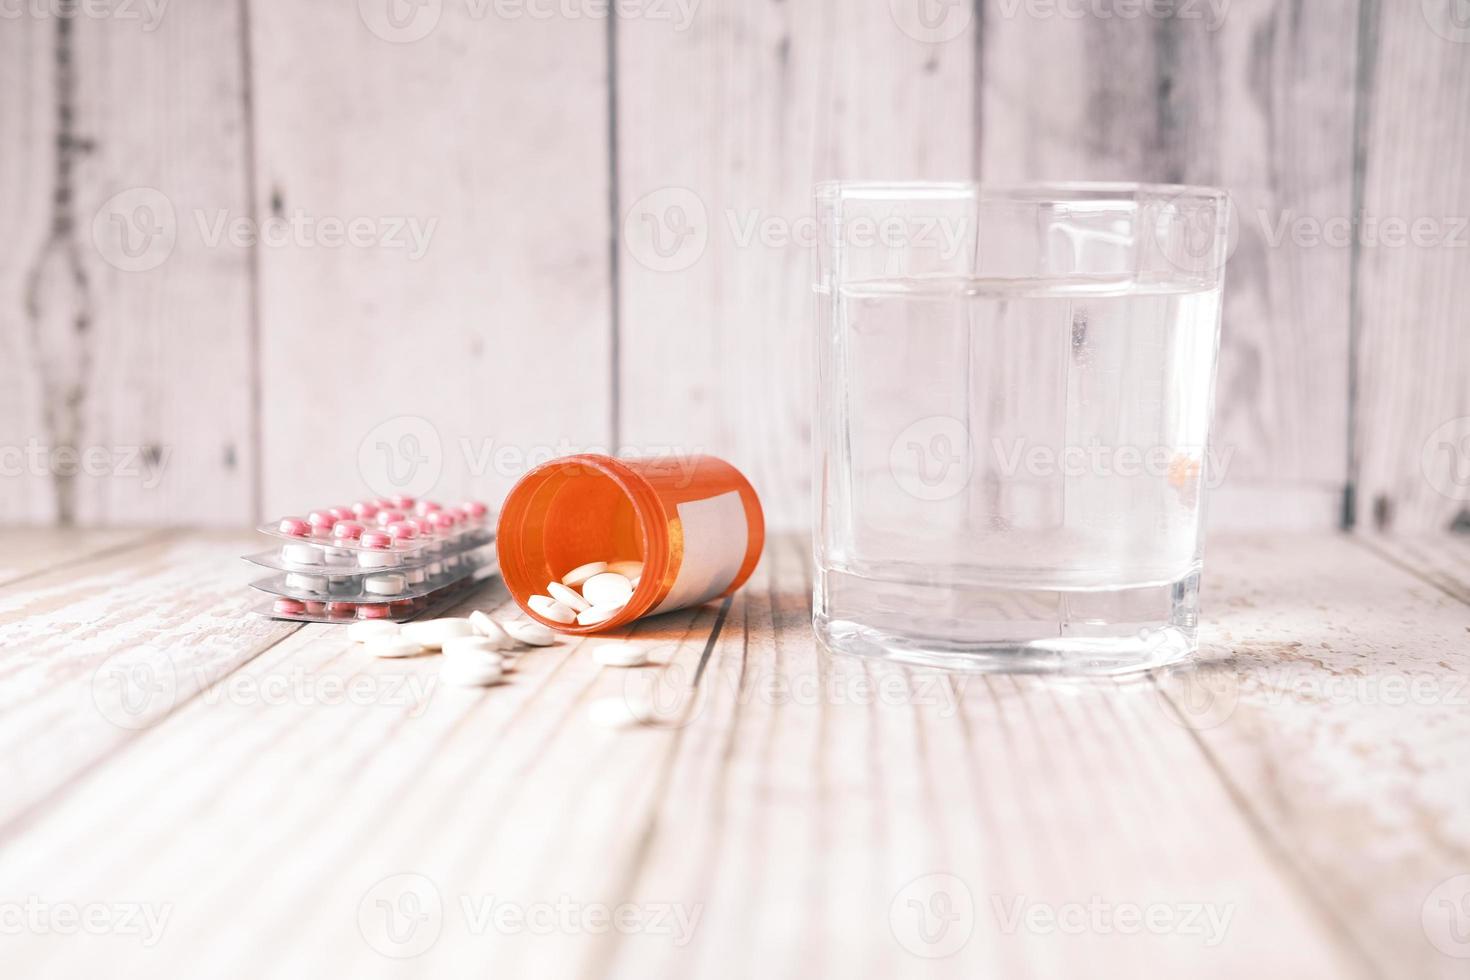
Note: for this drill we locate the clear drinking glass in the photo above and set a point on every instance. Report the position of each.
(1013, 409)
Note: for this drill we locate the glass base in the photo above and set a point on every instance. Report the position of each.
(1106, 632)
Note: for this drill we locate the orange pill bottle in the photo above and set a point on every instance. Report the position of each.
(694, 521)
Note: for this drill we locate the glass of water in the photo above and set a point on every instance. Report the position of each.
(1013, 410)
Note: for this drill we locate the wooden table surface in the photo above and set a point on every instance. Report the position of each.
(191, 790)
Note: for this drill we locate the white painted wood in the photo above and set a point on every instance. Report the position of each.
(138, 361)
(1413, 397)
(492, 332)
(789, 798)
(1254, 101)
(724, 127)
(1333, 700)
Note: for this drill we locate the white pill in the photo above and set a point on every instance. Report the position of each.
(301, 554)
(394, 646)
(415, 576)
(567, 597)
(548, 608)
(530, 632)
(371, 629)
(620, 655)
(491, 630)
(306, 583)
(464, 671)
(339, 556)
(627, 569)
(384, 584)
(471, 646)
(582, 573)
(433, 632)
(623, 712)
(607, 589)
(376, 559)
(598, 614)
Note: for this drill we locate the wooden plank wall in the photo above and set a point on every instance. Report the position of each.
(568, 232)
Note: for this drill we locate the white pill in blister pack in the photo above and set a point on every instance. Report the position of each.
(306, 583)
(301, 554)
(389, 584)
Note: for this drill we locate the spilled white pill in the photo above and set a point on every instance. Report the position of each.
(582, 573)
(627, 569)
(469, 671)
(620, 655)
(530, 632)
(598, 614)
(607, 589)
(548, 608)
(433, 632)
(470, 646)
(491, 630)
(567, 597)
(371, 629)
(623, 712)
(394, 646)
(390, 584)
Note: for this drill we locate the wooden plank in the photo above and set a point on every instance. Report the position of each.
(470, 324)
(1244, 96)
(825, 796)
(1334, 705)
(506, 794)
(129, 403)
(722, 129)
(93, 654)
(25, 551)
(1442, 561)
(804, 800)
(1412, 433)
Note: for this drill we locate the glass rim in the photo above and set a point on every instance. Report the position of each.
(1037, 192)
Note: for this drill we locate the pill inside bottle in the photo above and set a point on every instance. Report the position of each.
(694, 522)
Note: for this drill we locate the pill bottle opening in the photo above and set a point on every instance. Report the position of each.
(573, 511)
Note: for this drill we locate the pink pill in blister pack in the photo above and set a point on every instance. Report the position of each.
(377, 550)
(390, 516)
(365, 510)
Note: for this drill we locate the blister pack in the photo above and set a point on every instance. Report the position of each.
(377, 559)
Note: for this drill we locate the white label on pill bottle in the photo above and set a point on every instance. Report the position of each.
(715, 539)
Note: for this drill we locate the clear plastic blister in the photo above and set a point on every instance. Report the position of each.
(376, 559)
